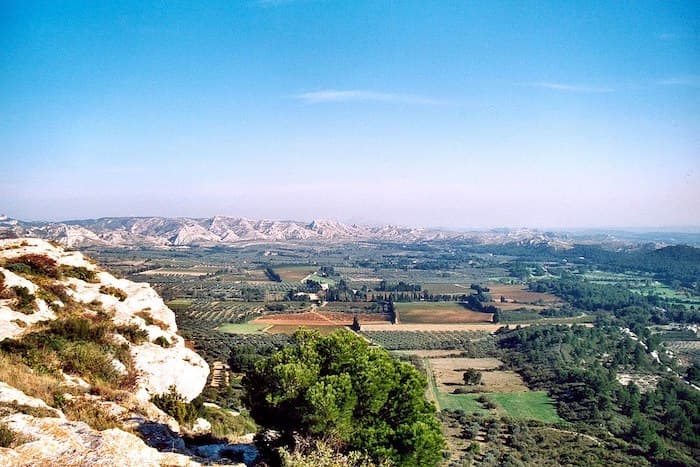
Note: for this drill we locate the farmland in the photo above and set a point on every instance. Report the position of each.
(501, 392)
(420, 302)
(319, 318)
(439, 313)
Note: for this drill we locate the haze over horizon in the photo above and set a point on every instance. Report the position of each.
(537, 114)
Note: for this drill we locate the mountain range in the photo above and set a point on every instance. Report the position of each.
(222, 230)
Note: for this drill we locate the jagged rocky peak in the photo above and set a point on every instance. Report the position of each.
(83, 351)
(180, 231)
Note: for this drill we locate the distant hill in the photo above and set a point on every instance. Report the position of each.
(222, 230)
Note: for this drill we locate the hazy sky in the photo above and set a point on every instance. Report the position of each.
(425, 113)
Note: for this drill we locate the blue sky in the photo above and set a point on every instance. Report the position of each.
(457, 114)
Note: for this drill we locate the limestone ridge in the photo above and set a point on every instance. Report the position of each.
(157, 360)
(222, 230)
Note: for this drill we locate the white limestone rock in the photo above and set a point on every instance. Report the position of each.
(159, 367)
(57, 441)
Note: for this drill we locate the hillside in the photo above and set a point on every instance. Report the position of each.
(81, 355)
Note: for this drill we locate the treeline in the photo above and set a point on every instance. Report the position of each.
(578, 366)
(272, 275)
(400, 287)
(627, 308)
(672, 263)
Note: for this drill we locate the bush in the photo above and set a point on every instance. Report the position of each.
(175, 405)
(89, 360)
(133, 333)
(24, 300)
(79, 272)
(162, 341)
(34, 264)
(7, 436)
(150, 320)
(88, 412)
(113, 291)
(80, 329)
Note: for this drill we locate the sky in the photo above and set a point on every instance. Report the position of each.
(454, 114)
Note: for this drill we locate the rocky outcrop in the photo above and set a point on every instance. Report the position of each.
(159, 366)
(158, 360)
(58, 441)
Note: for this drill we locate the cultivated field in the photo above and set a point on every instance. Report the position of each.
(294, 273)
(438, 313)
(243, 328)
(439, 288)
(520, 295)
(487, 327)
(504, 390)
(291, 329)
(476, 343)
(448, 375)
(320, 318)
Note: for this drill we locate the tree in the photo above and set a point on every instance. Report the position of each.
(472, 377)
(339, 389)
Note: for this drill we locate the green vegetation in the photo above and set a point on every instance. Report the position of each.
(573, 370)
(472, 343)
(272, 275)
(176, 406)
(577, 366)
(531, 405)
(7, 436)
(339, 389)
(162, 341)
(23, 300)
(242, 328)
(465, 402)
(113, 291)
(75, 345)
(79, 272)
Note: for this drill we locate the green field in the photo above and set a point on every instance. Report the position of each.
(242, 328)
(466, 402)
(535, 405)
(179, 304)
(320, 280)
(531, 405)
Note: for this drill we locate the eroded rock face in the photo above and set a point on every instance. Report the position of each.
(161, 364)
(57, 441)
(48, 437)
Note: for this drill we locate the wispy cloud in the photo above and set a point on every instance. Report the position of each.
(334, 96)
(689, 81)
(667, 36)
(565, 87)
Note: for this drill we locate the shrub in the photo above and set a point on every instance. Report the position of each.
(32, 383)
(7, 436)
(150, 320)
(89, 360)
(86, 411)
(24, 300)
(133, 333)
(175, 405)
(162, 341)
(80, 329)
(79, 272)
(36, 264)
(38, 412)
(113, 291)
